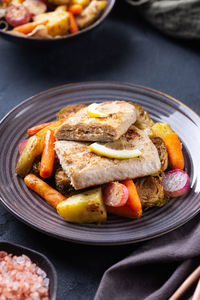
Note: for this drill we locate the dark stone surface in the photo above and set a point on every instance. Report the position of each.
(123, 48)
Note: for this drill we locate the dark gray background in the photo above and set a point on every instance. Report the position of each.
(123, 48)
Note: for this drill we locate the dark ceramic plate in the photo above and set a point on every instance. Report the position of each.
(39, 259)
(33, 210)
(36, 41)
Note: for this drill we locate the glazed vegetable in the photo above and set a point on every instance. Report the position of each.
(90, 13)
(81, 2)
(143, 120)
(174, 150)
(28, 27)
(162, 152)
(33, 148)
(48, 155)
(35, 129)
(86, 207)
(22, 146)
(175, 183)
(63, 183)
(160, 130)
(73, 28)
(75, 9)
(53, 126)
(133, 197)
(35, 7)
(115, 194)
(17, 15)
(58, 22)
(133, 208)
(49, 194)
(150, 191)
(69, 110)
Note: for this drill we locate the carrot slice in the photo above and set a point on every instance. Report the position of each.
(73, 28)
(48, 155)
(133, 197)
(75, 9)
(174, 150)
(29, 27)
(36, 184)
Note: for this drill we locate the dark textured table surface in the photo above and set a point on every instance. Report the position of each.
(123, 48)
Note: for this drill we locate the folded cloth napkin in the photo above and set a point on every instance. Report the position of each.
(178, 18)
(156, 268)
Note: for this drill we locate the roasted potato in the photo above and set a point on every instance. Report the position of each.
(86, 207)
(58, 22)
(160, 130)
(33, 148)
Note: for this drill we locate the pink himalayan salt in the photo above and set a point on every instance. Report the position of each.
(20, 279)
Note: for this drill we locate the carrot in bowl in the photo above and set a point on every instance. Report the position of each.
(29, 27)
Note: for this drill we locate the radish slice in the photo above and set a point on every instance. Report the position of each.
(175, 183)
(22, 146)
(17, 14)
(115, 194)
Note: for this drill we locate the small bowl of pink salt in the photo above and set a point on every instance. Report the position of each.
(25, 274)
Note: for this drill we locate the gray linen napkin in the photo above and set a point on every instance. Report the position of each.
(178, 18)
(156, 268)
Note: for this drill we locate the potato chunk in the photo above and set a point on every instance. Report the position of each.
(58, 22)
(87, 207)
(160, 130)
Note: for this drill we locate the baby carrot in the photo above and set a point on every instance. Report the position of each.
(133, 198)
(76, 9)
(29, 27)
(73, 28)
(48, 155)
(36, 184)
(53, 126)
(33, 130)
(174, 149)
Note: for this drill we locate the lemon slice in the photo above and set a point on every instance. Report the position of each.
(92, 111)
(102, 150)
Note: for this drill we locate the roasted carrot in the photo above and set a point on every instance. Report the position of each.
(48, 155)
(174, 150)
(35, 129)
(133, 198)
(123, 211)
(53, 126)
(76, 9)
(73, 28)
(36, 184)
(29, 27)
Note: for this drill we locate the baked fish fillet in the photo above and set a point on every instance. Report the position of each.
(82, 127)
(85, 168)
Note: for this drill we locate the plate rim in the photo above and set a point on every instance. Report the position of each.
(61, 237)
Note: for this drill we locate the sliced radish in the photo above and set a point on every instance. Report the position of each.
(175, 183)
(22, 146)
(115, 194)
(17, 14)
(35, 7)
